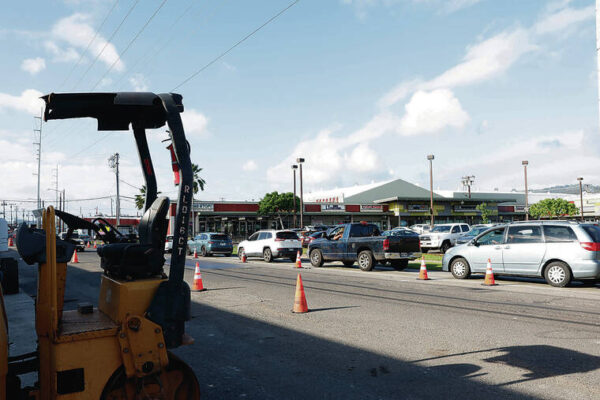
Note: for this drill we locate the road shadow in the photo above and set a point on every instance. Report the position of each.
(240, 357)
(541, 361)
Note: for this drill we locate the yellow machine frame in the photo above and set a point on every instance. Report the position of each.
(79, 352)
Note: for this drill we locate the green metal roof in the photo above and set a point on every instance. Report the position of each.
(391, 191)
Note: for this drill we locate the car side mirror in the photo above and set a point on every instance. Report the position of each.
(474, 243)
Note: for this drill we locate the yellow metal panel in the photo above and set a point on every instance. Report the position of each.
(99, 359)
(119, 299)
(142, 343)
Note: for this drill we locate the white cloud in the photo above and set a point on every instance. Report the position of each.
(456, 5)
(428, 112)
(363, 159)
(249, 165)
(77, 31)
(29, 101)
(33, 65)
(60, 54)
(194, 123)
(139, 82)
(563, 19)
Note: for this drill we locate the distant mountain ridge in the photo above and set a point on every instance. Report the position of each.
(569, 189)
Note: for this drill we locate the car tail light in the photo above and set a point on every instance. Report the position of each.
(211, 242)
(279, 239)
(590, 246)
(386, 244)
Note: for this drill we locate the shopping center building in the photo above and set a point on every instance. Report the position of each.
(386, 204)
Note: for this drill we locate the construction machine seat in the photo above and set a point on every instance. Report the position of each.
(144, 259)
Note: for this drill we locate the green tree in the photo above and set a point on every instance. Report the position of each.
(141, 198)
(552, 208)
(485, 212)
(275, 203)
(198, 181)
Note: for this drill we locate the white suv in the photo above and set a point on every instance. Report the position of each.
(442, 237)
(270, 244)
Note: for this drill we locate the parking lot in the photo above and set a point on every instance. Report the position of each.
(379, 334)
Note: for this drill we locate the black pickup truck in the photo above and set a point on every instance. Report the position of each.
(363, 242)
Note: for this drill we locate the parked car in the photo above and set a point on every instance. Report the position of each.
(558, 251)
(399, 232)
(209, 243)
(169, 244)
(271, 244)
(75, 239)
(475, 230)
(443, 236)
(421, 228)
(363, 242)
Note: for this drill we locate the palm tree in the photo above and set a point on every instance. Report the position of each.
(198, 181)
(140, 199)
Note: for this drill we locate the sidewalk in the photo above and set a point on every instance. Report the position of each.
(21, 328)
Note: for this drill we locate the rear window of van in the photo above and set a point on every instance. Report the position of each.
(287, 235)
(593, 231)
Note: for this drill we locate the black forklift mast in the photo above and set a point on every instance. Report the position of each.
(141, 111)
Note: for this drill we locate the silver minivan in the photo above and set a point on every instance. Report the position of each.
(555, 250)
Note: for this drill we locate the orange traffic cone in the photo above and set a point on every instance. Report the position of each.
(489, 275)
(198, 286)
(88, 245)
(195, 254)
(244, 258)
(300, 305)
(298, 260)
(10, 241)
(75, 259)
(423, 271)
(95, 245)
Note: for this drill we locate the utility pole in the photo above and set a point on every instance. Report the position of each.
(525, 163)
(598, 50)
(431, 157)
(55, 175)
(4, 203)
(294, 168)
(113, 162)
(300, 161)
(39, 160)
(580, 179)
(468, 181)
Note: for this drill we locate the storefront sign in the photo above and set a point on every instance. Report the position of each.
(371, 208)
(204, 207)
(332, 208)
(418, 207)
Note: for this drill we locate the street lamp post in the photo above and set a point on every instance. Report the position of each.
(580, 179)
(294, 168)
(525, 163)
(430, 157)
(300, 161)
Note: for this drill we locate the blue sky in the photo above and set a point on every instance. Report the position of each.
(363, 90)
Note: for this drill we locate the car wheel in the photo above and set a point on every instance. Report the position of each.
(316, 258)
(203, 251)
(460, 268)
(348, 263)
(445, 247)
(557, 274)
(365, 260)
(267, 255)
(399, 265)
(240, 252)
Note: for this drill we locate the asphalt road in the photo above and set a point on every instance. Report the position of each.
(378, 335)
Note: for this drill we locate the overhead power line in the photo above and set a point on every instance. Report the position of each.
(234, 46)
(107, 42)
(89, 44)
(130, 43)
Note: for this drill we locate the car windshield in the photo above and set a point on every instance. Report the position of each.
(318, 234)
(287, 235)
(219, 237)
(441, 228)
(476, 231)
